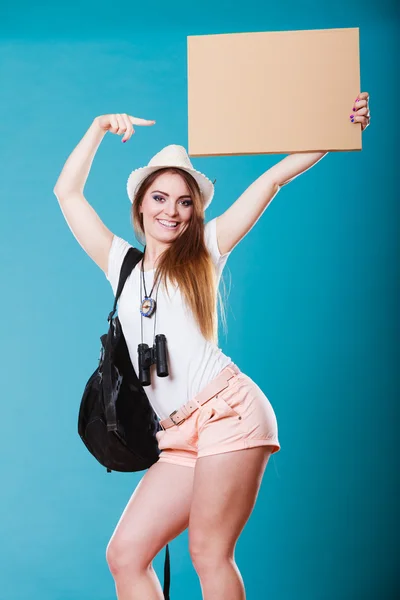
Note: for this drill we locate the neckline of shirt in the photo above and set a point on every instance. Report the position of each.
(138, 267)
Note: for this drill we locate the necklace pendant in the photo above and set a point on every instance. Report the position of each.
(147, 307)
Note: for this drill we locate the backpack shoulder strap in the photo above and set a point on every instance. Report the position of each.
(131, 259)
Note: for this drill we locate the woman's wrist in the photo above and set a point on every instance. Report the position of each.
(96, 126)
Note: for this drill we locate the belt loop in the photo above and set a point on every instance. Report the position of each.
(233, 369)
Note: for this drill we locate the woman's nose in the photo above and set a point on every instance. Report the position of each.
(171, 210)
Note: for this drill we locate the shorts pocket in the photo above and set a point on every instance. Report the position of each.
(232, 409)
(248, 400)
(215, 411)
(233, 397)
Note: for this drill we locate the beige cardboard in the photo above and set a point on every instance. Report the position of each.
(273, 92)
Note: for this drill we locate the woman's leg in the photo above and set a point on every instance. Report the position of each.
(224, 493)
(157, 512)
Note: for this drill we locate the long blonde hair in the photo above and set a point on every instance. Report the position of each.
(187, 261)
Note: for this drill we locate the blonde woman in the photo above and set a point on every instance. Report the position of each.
(218, 427)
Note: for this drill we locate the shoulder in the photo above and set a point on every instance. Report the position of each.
(211, 241)
(119, 246)
(118, 250)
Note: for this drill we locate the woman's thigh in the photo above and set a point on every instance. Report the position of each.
(225, 490)
(157, 512)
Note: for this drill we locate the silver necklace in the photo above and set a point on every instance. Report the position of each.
(148, 304)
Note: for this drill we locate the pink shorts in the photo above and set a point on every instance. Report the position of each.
(238, 417)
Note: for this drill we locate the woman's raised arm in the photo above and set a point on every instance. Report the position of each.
(86, 225)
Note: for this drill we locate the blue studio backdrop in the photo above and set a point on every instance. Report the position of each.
(322, 261)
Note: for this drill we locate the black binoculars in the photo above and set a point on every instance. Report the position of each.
(155, 355)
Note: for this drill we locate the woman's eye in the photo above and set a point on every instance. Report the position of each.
(185, 203)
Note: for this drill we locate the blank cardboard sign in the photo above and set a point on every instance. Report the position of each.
(273, 92)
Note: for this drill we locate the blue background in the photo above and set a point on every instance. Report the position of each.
(322, 262)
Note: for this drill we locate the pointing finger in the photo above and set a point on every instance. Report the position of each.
(137, 121)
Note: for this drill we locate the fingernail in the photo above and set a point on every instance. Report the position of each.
(357, 99)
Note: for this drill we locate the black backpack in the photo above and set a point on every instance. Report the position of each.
(116, 421)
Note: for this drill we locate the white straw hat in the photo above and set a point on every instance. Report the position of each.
(171, 156)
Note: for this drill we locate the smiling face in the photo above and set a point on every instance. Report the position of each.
(167, 207)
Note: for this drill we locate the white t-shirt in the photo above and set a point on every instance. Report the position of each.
(193, 361)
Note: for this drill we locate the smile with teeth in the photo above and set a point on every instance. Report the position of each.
(168, 224)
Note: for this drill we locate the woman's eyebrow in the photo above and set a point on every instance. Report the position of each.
(165, 194)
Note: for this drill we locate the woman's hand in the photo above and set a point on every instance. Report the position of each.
(121, 124)
(360, 109)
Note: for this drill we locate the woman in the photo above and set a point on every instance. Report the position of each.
(218, 427)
